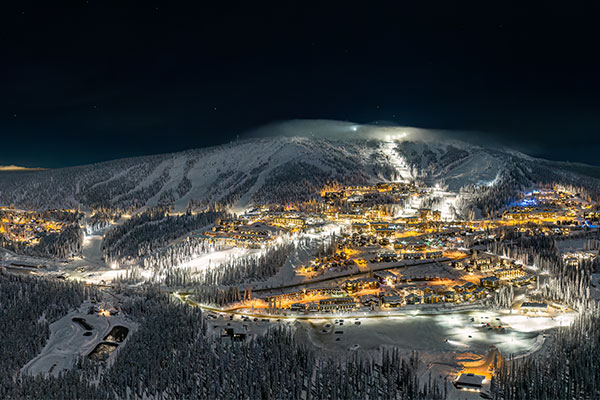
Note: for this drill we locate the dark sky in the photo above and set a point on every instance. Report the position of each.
(96, 80)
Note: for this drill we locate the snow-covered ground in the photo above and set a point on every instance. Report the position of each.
(70, 340)
(395, 159)
(90, 267)
(249, 167)
(525, 323)
(449, 332)
(251, 326)
(446, 343)
(217, 258)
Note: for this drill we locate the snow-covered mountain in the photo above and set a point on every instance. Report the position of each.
(292, 166)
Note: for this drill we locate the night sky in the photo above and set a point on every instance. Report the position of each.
(97, 80)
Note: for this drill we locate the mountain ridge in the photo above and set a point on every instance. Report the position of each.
(261, 170)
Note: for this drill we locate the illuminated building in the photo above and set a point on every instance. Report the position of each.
(430, 298)
(509, 273)
(386, 277)
(337, 304)
(534, 308)
(413, 299)
(469, 382)
(392, 301)
(491, 282)
(361, 283)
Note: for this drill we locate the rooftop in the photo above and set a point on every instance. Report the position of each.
(470, 380)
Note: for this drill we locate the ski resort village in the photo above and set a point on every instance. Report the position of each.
(207, 200)
(399, 275)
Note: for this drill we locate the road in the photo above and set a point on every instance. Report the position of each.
(353, 274)
(359, 314)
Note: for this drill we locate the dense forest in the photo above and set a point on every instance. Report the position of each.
(174, 355)
(152, 230)
(27, 307)
(568, 369)
(557, 281)
(63, 245)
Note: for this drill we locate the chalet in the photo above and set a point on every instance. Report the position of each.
(491, 282)
(361, 227)
(431, 298)
(337, 304)
(387, 257)
(313, 307)
(451, 296)
(479, 293)
(369, 300)
(486, 267)
(379, 225)
(478, 262)
(360, 284)
(434, 254)
(570, 260)
(368, 283)
(413, 299)
(298, 307)
(416, 246)
(534, 308)
(385, 232)
(469, 382)
(524, 280)
(291, 221)
(332, 291)
(426, 214)
(256, 230)
(386, 277)
(458, 265)
(420, 255)
(413, 255)
(509, 273)
(392, 301)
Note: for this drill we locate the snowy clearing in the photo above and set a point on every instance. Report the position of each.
(70, 340)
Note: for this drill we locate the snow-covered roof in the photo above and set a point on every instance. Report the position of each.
(470, 380)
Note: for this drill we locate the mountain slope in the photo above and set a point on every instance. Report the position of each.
(263, 170)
